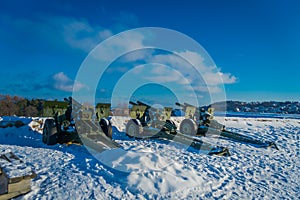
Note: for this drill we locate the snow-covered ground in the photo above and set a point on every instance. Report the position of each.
(157, 169)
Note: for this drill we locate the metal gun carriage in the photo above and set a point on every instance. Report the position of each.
(70, 122)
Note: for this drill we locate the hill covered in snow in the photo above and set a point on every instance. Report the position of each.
(286, 107)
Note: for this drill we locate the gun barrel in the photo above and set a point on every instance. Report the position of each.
(75, 103)
(179, 104)
(143, 104)
(132, 103)
(187, 104)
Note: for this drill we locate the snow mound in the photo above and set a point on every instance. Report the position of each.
(144, 167)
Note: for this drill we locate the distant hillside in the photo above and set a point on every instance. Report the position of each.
(286, 107)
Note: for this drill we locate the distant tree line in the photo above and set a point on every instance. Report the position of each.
(19, 106)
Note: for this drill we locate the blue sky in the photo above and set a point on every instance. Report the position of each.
(255, 44)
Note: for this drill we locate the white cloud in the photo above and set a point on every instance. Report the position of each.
(167, 59)
(195, 70)
(228, 78)
(79, 86)
(81, 35)
(138, 70)
(118, 45)
(183, 59)
(163, 74)
(181, 65)
(64, 83)
(218, 78)
(195, 59)
(138, 55)
(206, 88)
(60, 77)
(105, 33)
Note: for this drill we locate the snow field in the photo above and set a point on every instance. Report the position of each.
(157, 169)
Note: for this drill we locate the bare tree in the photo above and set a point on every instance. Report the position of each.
(8, 106)
(31, 111)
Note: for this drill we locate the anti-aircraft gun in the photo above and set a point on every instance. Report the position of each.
(199, 121)
(150, 122)
(70, 122)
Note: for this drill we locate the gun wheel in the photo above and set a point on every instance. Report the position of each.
(106, 127)
(49, 132)
(188, 127)
(134, 128)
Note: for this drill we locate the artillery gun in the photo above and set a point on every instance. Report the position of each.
(70, 122)
(199, 122)
(149, 122)
(59, 128)
(197, 119)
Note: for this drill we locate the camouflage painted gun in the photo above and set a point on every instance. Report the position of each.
(71, 122)
(199, 121)
(149, 122)
(196, 119)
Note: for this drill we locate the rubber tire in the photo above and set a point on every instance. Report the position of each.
(188, 127)
(106, 127)
(133, 128)
(49, 132)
